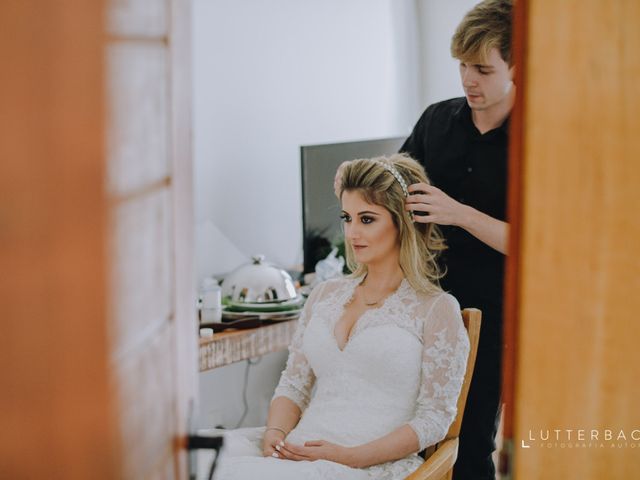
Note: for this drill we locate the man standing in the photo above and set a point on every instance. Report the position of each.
(462, 143)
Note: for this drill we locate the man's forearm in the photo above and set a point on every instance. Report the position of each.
(488, 230)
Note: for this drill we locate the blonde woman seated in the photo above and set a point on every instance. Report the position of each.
(378, 358)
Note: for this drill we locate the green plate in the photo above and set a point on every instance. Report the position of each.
(294, 304)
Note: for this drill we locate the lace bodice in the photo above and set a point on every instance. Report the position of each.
(403, 363)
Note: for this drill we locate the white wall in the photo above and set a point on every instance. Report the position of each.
(270, 76)
(437, 22)
(221, 390)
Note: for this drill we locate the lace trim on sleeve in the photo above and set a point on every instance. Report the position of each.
(298, 378)
(444, 361)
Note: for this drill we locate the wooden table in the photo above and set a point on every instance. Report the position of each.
(237, 345)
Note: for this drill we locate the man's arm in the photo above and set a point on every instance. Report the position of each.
(488, 230)
(444, 210)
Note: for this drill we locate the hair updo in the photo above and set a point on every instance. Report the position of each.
(420, 243)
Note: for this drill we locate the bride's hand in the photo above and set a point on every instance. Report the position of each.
(269, 441)
(317, 450)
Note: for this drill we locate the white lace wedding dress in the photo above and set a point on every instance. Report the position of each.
(404, 363)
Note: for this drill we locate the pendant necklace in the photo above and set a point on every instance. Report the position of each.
(368, 304)
(371, 304)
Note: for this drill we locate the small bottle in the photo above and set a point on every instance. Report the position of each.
(211, 305)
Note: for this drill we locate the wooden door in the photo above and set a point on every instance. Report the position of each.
(55, 399)
(574, 273)
(98, 346)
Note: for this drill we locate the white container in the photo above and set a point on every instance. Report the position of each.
(206, 333)
(211, 301)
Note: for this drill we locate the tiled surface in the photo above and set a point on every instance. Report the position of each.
(137, 117)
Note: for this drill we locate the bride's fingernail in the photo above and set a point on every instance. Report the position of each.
(274, 454)
(281, 443)
(278, 447)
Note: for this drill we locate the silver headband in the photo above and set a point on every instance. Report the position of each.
(396, 174)
(394, 171)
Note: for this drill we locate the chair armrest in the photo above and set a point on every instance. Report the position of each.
(439, 464)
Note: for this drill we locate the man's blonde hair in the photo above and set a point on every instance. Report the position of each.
(486, 26)
(420, 243)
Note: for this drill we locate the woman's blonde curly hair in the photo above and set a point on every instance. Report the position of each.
(420, 243)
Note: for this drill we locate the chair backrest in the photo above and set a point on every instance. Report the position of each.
(472, 318)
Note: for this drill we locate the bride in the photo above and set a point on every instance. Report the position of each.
(378, 359)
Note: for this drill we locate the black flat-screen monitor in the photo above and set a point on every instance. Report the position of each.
(320, 207)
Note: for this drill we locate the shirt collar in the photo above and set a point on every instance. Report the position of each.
(463, 114)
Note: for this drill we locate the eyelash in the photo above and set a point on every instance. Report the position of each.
(364, 219)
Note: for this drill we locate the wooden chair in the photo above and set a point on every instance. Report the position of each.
(441, 457)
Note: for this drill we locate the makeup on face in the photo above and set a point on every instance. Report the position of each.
(369, 229)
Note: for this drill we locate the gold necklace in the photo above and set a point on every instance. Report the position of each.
(368, 304)
(364, 299)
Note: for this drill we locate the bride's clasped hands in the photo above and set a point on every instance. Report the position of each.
(317, 450)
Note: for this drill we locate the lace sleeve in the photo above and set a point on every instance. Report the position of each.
(444, 361)
(298, 378)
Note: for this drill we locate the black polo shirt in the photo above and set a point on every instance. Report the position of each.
(471, 168)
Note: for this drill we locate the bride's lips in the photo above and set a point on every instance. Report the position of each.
(359, 247)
